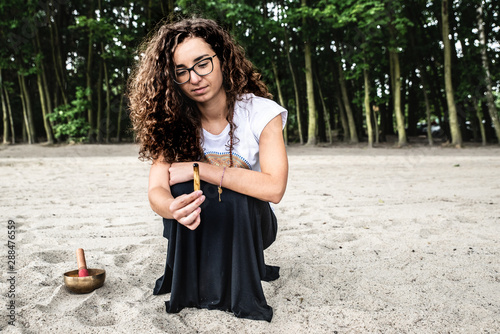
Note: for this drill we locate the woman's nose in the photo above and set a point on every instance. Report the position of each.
(195, 78)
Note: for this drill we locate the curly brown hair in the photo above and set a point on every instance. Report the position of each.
(167, 124)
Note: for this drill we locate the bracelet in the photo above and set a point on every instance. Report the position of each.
(219, 188)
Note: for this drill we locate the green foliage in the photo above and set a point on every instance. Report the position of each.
(68, 121)
(355, 33)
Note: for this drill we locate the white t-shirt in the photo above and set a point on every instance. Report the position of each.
(251, 115)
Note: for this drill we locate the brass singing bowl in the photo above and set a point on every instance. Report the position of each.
(84, 284)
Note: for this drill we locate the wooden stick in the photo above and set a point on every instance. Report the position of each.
(82, 265)
(196, 178)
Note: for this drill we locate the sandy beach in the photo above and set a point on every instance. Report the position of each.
(377, 240)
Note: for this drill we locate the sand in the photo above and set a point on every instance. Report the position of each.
(378, 240)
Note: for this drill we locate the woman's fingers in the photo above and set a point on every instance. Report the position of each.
(186, 209)
(180, 172)
(193, 220)
(184, 201)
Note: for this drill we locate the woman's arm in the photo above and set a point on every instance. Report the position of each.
(185, 208)
(268, 185)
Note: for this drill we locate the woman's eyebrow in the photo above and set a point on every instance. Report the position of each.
(195, 60)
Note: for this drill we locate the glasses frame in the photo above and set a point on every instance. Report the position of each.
(192, 69)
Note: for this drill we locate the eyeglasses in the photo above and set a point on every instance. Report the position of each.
(202, 68)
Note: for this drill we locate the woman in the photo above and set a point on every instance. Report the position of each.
(195, 97)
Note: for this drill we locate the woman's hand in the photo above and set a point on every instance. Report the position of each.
(180, 172)
(186, 209)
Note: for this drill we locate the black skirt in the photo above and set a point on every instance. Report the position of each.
(220, 264)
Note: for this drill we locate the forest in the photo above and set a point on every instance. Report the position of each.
(351, 71)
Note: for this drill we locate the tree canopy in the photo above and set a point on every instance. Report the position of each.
(347, 70)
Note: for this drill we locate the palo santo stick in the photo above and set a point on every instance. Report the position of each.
(196, 178)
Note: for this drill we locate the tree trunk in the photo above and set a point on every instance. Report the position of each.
(88, 74)
(492, 110)
(56, 59)
(43, 103)
(375, 121)
(121, 117)
(427, 107)
(4, 112)
(108, 100)
(148, 14)
(347, 106)
(11, 120)
(413, 105)
(326, 115)
(387, 112)
(479, 116)
(439, 100)
(170, 7)
(343, 119)
(367, 107)
(423, 74)
(47, 97)
(280, 95)
(396, 92)
(456, 136)
(311, 130)
(119, 123)
(27, 111)
(296, 90)
(26, 131)
(61, 64)
(108, 89)
(99, 105)
(44, 98)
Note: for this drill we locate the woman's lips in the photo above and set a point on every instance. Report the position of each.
(199, 90)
